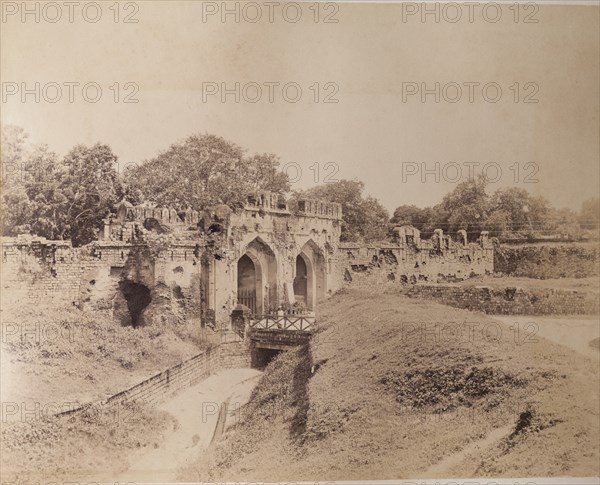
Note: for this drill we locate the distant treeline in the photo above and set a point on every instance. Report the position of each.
(68, 197)
(510, 214)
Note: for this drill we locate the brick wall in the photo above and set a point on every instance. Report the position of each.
(510, 300)
(181, 376)
(32, 272)
(234, 355)
(35, 269)
(368, 266)
(172, 380)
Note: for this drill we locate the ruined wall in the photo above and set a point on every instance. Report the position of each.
(34, 270)
(188, 270)
(548, 261)
(375, 265)
(148, 273)
(510, 300)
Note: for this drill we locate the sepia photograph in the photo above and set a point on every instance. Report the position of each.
(313, 242)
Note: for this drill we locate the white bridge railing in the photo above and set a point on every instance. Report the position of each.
(284, 322)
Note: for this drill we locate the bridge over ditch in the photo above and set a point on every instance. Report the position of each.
(270, 334)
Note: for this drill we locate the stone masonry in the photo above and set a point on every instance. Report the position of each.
(158, 265)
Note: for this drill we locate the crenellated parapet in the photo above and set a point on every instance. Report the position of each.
(127, 222)
(320, 208)
(412, 259)
(126, 212)
(268, 201)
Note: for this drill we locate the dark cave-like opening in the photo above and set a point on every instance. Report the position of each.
(137, 297)
(262, 357)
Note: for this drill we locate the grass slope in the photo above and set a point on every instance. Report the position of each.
(79, 448)
(59, 354)
(383, 403)
(54, 358)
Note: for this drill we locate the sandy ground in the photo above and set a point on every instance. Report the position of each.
(199, 411)
(571, 332)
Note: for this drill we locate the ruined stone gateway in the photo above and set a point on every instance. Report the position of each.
(156, 265)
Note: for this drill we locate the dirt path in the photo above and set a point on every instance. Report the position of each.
(574, 333)
(201, 415)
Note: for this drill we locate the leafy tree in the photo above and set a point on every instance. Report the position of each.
(564, 222)
(466, 207)
(498, 223)
(56, 199)
(13, 139)
(412, 215)
(526, 213)
(41, 179)
(364, 218)
(16, 208)
(90, 185)
(261, 173)
(206, 170)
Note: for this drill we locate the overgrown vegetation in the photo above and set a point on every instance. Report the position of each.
(64, 332)
(545, 262)
(444, 389)
(63, 354)
(71, 447)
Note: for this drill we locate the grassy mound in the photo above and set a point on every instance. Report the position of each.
(383, 402)
(60, 353)
(57, 357)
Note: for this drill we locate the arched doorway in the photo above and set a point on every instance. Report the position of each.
(257, 277)
(247, 283)
(313, 265)
(301, 281)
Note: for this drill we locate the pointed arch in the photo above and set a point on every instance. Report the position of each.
(257, 280)
(316, 279)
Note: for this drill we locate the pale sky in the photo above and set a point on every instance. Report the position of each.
(368, 55)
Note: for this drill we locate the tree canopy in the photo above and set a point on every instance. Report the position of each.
(509, 213)
(364, 218)
(205, 170)
(56, 198)
(67, 198)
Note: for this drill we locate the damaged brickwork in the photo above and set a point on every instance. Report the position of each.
(157, 265)
(411, 260)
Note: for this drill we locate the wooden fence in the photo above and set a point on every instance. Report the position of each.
(283, 322)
